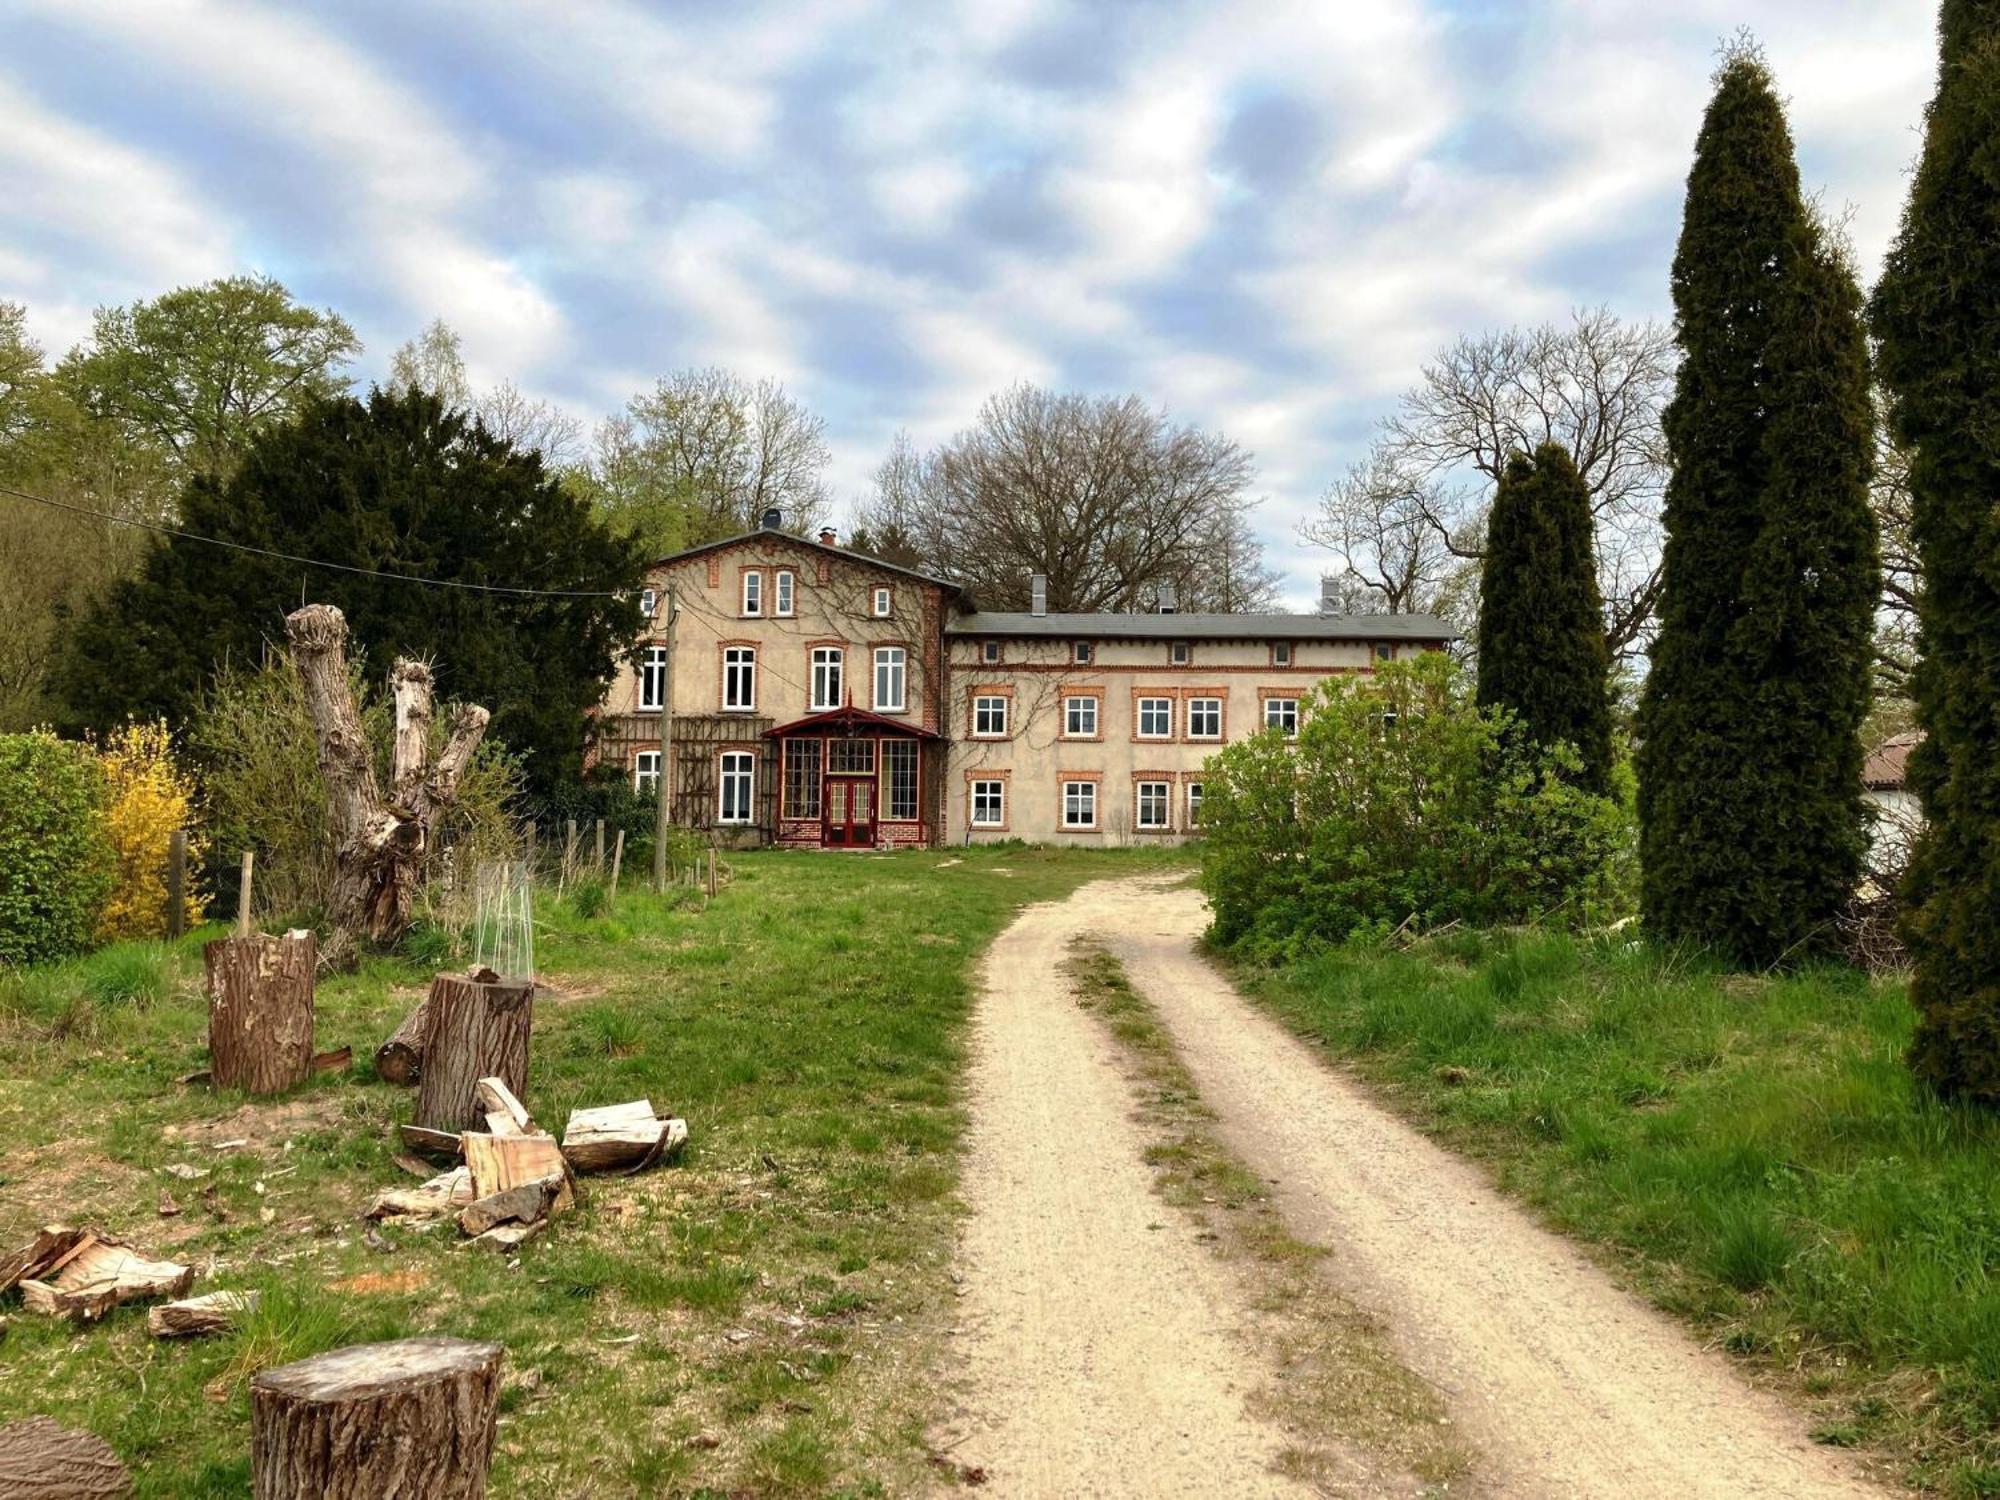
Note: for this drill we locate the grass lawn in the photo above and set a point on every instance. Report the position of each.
(761, 1319)
(1753, 1149)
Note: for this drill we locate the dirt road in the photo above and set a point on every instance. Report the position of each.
(1097, 1335)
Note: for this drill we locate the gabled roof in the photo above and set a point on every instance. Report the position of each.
(845, 554)
(1887, 766)
(851, 720)
(1179, 627)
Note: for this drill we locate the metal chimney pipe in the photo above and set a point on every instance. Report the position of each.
(1038, 591)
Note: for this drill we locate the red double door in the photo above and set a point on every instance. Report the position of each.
(849, 821)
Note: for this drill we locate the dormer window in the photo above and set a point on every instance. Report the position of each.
(781, 588)
(882, 600)
(753, 592)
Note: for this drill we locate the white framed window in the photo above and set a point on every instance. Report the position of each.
(989, 804)
(1080, 717)
(753, 592)
(1180, 653)
(989, 717)
(899, 777)
(653, 680)
(1156, 718)
(891, 670)
(1281, 654)
(739, 677)
(1194, 804)
(1083, 653)
(989, 652)
(782, 594)
(734, 787)
(646, 771)
(649, 601)
(828, 663)
(1154, 805)
(1282, 713)
(1204, 718)
(883, 599)
(1079, 804)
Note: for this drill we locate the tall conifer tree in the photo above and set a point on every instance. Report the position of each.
(1541, 619)
(1749, 778)
(1937, 316)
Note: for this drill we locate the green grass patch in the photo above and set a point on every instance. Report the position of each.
(763, 1317)
(1753, 1146)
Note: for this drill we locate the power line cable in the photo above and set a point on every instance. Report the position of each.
(310, 562)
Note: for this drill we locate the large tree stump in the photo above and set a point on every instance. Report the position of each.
(414, 1419)
(476, 1030)
(43, 1460)
(260, 1010)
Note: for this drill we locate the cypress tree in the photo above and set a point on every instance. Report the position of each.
(1749, 795)
(1937, 319)
(1541, 621)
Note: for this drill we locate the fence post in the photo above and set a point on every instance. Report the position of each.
(597, 857)
(177, 856)
(243, 894)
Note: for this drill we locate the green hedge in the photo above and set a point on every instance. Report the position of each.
(56, 863)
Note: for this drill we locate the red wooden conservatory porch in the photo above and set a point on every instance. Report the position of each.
(851, 779)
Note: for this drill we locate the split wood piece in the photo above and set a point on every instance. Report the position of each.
(414, 1419)
(339, 1060)
(619, 1137)
(215, 1313)
(380, 843)
(431, 1142)
(500, 1162)
(505, 1115)
(442, 1194)
(505, 1237)
(529, 1203)
(475, 1031)
(260, 1010)
(42, 1256)
(401, 1058)
(97, 1276)
(40, 1459)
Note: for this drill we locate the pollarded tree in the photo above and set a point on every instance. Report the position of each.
(1749, 837)
(1937, 317)
(1541, 623)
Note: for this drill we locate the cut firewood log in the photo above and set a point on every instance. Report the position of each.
(500, 1162)
(214, 1313)
(42, 1460)
(414, 1419)
(41, 1256)
(475, 1031)
(260, 1010)
(506, 1237)
(500, 1104)
(339, 1060)
(620, 1137)
(401, 1058)
(530, 1203)
(443, 1193)
(97, 1276)
(431, 1142)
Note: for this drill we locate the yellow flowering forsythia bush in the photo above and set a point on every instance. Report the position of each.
(149, 797)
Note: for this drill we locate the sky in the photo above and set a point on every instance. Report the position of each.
(1263, 217)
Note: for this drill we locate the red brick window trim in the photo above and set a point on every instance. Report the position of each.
(979, 690)
(812, 676)
(974, 795)
(1144, 784)
(1220, 698)
(1065, 780)
(1142, 696)
(722, 650)
(1095, 693)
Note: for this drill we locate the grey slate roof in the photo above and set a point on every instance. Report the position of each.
(1178, 627)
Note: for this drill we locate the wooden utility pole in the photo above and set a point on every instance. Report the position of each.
(664, 816)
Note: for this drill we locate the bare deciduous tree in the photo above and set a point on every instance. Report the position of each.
(434, 361)
(1103, 495)
(1596, 385)
(1902, 569)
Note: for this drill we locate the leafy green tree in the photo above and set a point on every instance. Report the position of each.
(398, 485)
(1749, 794)
(1937, 318)
(56, 864)
(202, 370)
(1541, 623)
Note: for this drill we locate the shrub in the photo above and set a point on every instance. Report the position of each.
(259, 765)
(55, 862)
(1401, 804)
(149, 796)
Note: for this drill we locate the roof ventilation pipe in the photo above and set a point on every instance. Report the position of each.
(1038, 594)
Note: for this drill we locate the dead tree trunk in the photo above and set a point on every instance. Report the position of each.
(379, 847)
(476, 1031)
(260, 1010)
(414, 1419)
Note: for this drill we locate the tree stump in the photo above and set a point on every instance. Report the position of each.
(414, 1419)
(260, 1010)
(476, 1030)
(42, 1460)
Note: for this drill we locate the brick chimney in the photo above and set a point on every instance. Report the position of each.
(828, 537)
